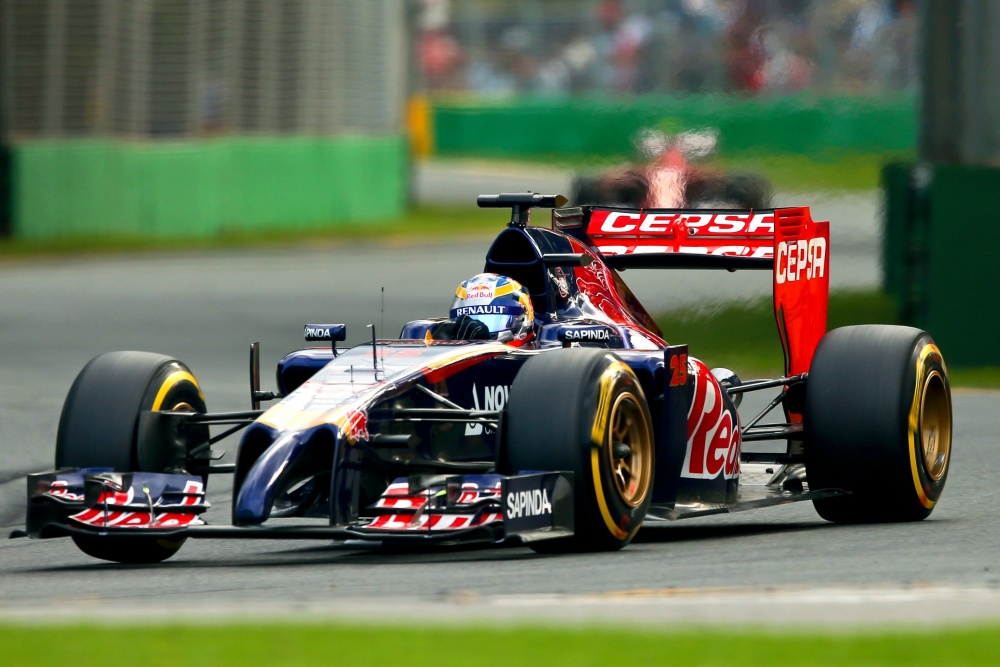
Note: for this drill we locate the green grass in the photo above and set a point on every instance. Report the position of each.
(853, 172)
(321, 644)
(427, 222)
(744, 337)
(984, 377)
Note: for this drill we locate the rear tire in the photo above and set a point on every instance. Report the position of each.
(728, 191)
(98, 428)
(878, 423)
(582, 410)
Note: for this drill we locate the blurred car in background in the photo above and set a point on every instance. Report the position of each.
(671, 172)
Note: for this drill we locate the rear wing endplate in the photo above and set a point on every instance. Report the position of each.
(801, 284)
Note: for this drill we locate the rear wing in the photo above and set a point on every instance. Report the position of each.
(675, 238)
(786, 241)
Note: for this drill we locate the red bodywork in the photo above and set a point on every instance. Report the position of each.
(801, 284)
(797, 245)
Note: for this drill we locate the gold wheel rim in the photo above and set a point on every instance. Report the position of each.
(935, 426)
(630, 450)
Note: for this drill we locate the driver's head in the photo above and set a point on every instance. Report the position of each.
(500, 305)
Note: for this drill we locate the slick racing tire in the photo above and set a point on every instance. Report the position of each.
(582, 410)
(877, 423)
(748, 191)
(128, 550)
(99, 428)
(732, 191)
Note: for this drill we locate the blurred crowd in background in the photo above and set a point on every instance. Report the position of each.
(172, 68)
(634, 47)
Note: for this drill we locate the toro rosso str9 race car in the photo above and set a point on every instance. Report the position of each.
(568, 432)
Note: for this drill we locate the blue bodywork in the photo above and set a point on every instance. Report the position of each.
(345, 474)
(350, 424)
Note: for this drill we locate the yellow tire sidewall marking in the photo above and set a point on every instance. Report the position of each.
(172, 381)
(913, 427)
(599, 428)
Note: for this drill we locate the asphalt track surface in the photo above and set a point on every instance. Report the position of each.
(778, 566)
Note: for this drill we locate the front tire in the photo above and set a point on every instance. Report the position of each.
(128, 550)
(582, 410)
(99, 428)
(878, 423)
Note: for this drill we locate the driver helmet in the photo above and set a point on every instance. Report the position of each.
(500, 303)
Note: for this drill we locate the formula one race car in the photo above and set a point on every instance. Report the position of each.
(571, 440)
(671, 173)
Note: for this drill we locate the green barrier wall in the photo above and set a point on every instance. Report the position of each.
(793, 125)
(899, 216)
(203, 188)
(5, 194)
(962, 240)
(940, 252)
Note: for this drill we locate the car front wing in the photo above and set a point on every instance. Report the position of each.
(445, 509)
